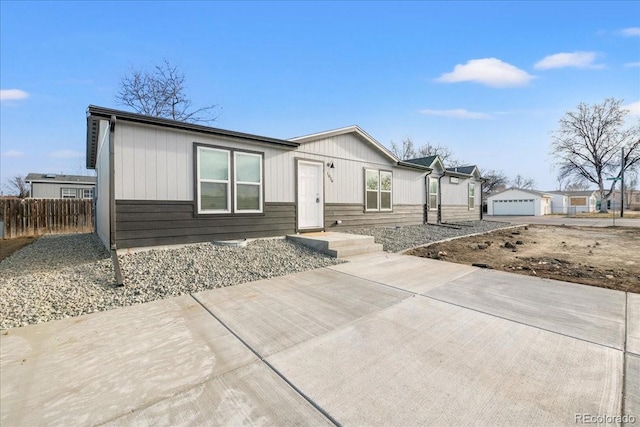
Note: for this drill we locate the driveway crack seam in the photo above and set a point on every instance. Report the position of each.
(269, 365)
(522, 323)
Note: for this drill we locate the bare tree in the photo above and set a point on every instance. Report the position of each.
(160, 92)
(404, 152)
(630, 188)
(577, 185)
(408, 151)
(445, 153)
(494, 181)
(17, 186)
(523, 183)
(589, 142)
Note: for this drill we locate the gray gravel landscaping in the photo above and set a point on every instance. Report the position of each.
(70, 275)
(400, 239)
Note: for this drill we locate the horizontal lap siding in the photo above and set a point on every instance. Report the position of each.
(453, 213)
(352, 216)
(154, 223)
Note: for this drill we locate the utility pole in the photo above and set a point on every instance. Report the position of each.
(621, 185)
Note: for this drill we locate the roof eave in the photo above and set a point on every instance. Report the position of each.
(95, 114)
(343, 131)
(413, 166)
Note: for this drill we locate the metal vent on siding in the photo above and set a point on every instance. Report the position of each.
(93, 130)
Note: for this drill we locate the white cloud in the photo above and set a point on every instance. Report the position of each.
(457, 114)
(572, 59)
(632, 64)
(634, 108)
(66, 154)
(12, 94)
(12, 154)
(488, 71)
(630, 32)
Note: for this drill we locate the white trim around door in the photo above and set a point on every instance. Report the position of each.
(309, 195)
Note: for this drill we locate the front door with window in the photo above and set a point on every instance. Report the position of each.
(310, 195)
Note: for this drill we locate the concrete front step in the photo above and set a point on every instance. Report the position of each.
(354, 250)
(338, 245)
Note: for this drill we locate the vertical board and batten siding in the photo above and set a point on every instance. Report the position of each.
(157, 164)
(455, 200)
(155, 187)
(53, 190)
(102, 185)
(350, 156)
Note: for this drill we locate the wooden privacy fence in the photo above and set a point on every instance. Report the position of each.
(35, 217)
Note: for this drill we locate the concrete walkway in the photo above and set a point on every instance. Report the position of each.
(382, 340)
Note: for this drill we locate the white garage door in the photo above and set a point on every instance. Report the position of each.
(514, 207)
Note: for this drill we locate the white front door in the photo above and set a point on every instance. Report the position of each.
(310, 195)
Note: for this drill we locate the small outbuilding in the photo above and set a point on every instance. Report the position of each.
(59, 186)
(519, 202)
(571, 202)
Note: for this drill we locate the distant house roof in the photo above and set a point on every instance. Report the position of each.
(60, 178)
(95, 114)
(463, 169)
(424, 161)
(363, 136)
(575, 193)
(537, 193)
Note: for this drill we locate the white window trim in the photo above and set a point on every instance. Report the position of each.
(366, 191)
(472, 185)
(433, 208)
(380, 191)
(75, 193)
(227, 181)
(236, 183)
(90, 190)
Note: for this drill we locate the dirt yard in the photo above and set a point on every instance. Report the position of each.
(605, 257)
(9, 246)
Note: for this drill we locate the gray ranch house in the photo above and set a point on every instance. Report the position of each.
(453, 193)
(58, 186)
(162, 182)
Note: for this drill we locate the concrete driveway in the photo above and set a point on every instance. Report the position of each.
(382, 340)
(563, 220)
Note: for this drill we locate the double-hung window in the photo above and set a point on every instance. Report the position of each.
(68, 193)
(378, 190)
(472, 195)
(433, 193)
(248, 182)
(228, 181)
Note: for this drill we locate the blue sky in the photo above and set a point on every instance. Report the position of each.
(489, 80)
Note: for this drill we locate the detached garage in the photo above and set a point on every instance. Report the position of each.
(518, 202)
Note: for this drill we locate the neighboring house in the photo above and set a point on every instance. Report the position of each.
(453, 193)
(632, 200)
(613, 201)
(516, 201)
(58, 186)
(163, 182)
(559, 202)
(570, 202)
